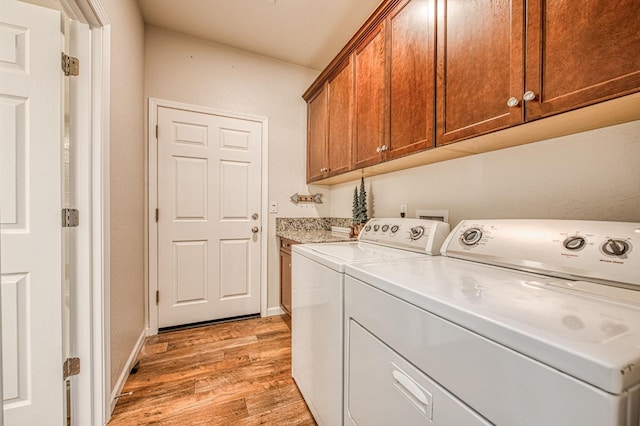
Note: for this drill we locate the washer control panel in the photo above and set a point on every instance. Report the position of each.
(603, 251)
(419, 235)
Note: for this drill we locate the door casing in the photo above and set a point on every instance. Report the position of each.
(151, 252)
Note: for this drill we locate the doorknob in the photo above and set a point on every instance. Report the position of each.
(255, 229)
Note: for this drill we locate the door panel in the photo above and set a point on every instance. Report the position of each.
(30, 187)
(316, 136)
(340, 123)
(480, 66)
(579, 54)
(370, 100)
(209, 178)
(412, 78)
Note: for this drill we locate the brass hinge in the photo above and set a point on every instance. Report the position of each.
(156, 131)
(71, 367)
(157, 215)
(70, 218)
(70, 65)
(157, 297)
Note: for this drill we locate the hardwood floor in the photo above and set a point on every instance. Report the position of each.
(233, 373)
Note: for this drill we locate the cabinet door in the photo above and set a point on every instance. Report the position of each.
(370, 99)
(480, 66)
(580, 53)
(340, 112)
(412, 79)
(285, 281)
(316, 136)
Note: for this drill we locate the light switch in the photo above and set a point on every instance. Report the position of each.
(273, 207)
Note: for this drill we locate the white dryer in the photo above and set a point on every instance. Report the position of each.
(318, 302)
(524, 322)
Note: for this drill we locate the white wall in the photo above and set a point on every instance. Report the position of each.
(592, 175)
(191, 70)
(126, 180)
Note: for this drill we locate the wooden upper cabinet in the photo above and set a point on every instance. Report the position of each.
(580, 53)
(411, 77)
(316, 135)
(370, 104)
(480, 67)
(340, 119)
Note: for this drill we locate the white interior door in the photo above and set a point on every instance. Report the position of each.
(209, 248)
(30, 191)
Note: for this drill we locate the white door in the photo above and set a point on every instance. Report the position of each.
(209, 183)
(30, 202)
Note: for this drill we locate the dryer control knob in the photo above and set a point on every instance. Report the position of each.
(367, 228)
(471, 236)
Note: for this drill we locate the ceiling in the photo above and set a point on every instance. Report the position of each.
(304, 32)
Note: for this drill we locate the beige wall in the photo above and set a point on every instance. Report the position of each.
(191, 70)
(127, 181)
(592, 175)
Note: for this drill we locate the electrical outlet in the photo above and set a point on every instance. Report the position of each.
(403, 208)
(273, 207)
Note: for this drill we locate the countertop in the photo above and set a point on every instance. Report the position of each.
(314, 236)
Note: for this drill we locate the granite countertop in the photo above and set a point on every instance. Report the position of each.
(307, 230)
(314, 236)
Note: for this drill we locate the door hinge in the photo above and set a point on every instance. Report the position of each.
(70, 218)
(70, 65)
(157, 215)
(156, 131)
(157, 297)
(71, 367)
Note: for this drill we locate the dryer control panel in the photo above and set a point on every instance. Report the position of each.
(603, 251)
(420, 235)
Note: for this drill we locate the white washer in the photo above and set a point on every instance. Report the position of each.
(318, 302)
(551, 336)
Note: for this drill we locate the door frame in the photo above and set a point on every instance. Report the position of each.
(151, 228)
(94, 344)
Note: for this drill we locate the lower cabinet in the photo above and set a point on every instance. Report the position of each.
(285, 275)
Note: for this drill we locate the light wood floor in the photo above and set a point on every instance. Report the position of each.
(234, 373)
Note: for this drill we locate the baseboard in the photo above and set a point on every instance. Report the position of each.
(274, 311)
(124, 375)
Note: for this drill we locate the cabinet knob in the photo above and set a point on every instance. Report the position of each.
(529, 96)
(513, 102)
(384, 148)
(378, 149)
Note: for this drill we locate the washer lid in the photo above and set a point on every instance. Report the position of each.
(336, 255)
(591, 337)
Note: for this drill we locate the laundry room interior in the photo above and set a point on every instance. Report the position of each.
(313, 136)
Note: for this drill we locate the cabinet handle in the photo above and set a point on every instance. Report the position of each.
(529, 96)
(513, 102)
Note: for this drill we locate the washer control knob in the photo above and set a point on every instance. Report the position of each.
(416, 232)
(471, 236)
(394, 229)
(385, 228)
(367, 228)
(575, 242)
(376, 227)
(615, 248)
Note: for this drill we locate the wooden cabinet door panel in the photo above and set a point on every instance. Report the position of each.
(370, 104)
(285, 281)
(480, 66)
(316, 136)
(412, 78)
(580, 53)
(340, 109)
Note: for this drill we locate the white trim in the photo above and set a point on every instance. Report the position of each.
(101, 50)
(272, 312)
(124, 374)
(152, 200)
